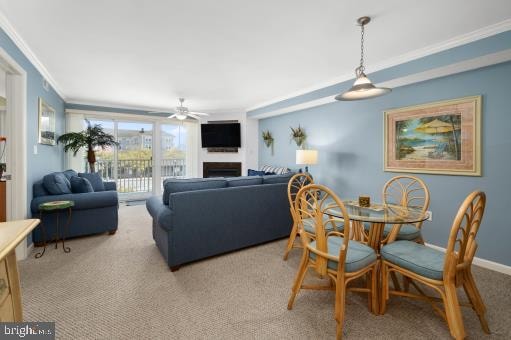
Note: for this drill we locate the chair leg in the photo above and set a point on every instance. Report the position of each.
(475, 299)
(299, 278)
(384, 287)
(291, 240)
(453, 312)
(374, 290)
(340, 300)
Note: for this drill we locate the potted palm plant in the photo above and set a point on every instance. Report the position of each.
(91, 138)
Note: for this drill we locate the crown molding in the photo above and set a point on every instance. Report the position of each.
(6, 25)
(459, 40)
(443, 71)
(143, 108)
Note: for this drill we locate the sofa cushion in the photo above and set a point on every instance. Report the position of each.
(275, 169)
(272, 179)
(244, 181)
(57, 184)
(359, 255)
(416, 258)
(70, 173)
(80, 185)
(173, 185)
(95, 180)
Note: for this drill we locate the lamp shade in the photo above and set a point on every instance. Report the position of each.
(362, 89)
(307, 157)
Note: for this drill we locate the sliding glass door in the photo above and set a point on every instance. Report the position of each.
(149, 152)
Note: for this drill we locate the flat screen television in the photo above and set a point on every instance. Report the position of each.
(222, 135)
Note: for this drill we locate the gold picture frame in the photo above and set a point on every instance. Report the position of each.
(47, 118)
(441, 137)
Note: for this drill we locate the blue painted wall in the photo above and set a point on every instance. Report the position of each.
(349, 137)
(49, 158)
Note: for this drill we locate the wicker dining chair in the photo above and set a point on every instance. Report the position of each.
(332, 254)
(407, 191)
(443, 272)
(296, 182)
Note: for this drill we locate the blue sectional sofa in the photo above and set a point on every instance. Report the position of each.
(94, 212)
(199, 218)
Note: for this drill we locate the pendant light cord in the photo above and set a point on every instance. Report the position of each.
(359, 71)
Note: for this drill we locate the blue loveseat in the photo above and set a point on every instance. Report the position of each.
(199, 218)
(93, 213)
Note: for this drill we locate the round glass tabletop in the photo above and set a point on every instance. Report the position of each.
(380, 213)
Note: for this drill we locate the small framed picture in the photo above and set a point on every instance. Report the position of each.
(437, 138)
(46, 123)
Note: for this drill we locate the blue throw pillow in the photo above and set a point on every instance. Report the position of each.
(95, 180)
(272, 179)
(70, 173)
(80, 185)
(57, 184)
(255, 173)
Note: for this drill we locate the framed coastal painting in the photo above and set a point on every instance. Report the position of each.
(437, 138)
(46, 123)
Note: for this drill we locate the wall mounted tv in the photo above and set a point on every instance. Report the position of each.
(221, 135)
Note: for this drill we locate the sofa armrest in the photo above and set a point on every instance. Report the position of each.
(110, 186)
(89, 200)
(160, 212)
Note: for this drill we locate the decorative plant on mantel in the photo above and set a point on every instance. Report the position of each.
(299, 136)
(268, 140)
(92, 137)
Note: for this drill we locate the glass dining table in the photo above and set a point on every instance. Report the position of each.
(377, 216)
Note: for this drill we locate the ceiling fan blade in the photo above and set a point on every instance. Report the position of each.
(200, 113)
(173, 116)
(157, 112)
(193, 116)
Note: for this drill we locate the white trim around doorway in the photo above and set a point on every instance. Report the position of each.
(16, 128)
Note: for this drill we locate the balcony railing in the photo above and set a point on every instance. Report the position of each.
(136, 175)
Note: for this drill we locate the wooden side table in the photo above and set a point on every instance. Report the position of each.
(55, 207)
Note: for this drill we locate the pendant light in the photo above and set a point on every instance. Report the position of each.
(363, 88)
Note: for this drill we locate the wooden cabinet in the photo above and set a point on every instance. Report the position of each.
(11, 234)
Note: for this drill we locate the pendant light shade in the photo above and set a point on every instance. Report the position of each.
(363, 88)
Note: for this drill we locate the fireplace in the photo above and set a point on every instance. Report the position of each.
(221, 169)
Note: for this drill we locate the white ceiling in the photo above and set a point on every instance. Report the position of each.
(225, 55)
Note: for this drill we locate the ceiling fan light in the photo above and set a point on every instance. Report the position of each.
(181, 116)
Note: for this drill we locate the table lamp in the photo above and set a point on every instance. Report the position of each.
(306, 157)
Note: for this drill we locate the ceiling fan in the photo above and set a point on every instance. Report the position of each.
(181, 112)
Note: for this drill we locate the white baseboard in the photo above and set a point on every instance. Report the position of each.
(498, 267)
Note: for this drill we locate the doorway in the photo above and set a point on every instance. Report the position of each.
(14, 128)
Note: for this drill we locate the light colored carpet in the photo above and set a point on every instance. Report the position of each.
(119, 287)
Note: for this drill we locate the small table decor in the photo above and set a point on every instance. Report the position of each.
(55, 206)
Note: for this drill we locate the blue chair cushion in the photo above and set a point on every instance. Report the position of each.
(80, 185)
(416, 258)
(174, 185)
(272, 179)
(57, 184)
(407, 232)
(244, 181)
(359, 255)
(70, 173)
(95, 180)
